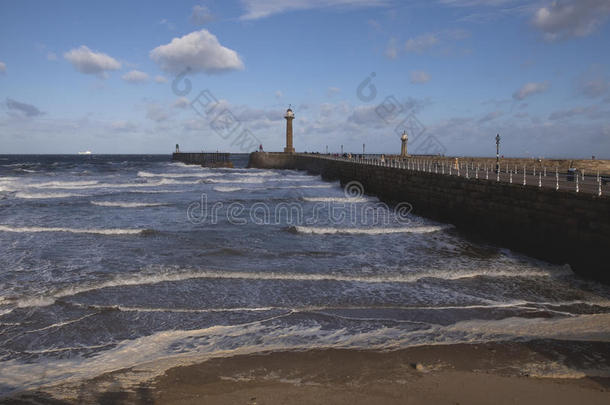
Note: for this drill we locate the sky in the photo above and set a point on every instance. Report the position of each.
(143, 76)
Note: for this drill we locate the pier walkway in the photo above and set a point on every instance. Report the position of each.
(536, 174)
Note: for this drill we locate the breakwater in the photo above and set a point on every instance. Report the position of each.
(560, 226)
(211, 159)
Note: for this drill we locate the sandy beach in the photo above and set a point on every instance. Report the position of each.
(539, 372)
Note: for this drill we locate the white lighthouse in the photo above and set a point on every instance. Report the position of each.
(403, 149)
(289, 117)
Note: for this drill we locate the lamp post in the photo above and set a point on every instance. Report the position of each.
(497, 152)
(363, 151)
(341, 149)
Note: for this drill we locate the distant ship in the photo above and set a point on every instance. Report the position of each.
(87, 152)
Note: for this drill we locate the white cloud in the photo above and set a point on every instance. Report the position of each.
(571, 18)
(88, 62)
(181, 102)
(529, 89)
(595, 87)
(160, 79)
(365, 115)
(374, 24)
(256, 9)
(419, 76)
(52, 56)
(591, 112)
(123, 126)
(333, 91)
(391, 51)
(439, 41)
(594, 82)
(156, 112)
(490, 116)
(201, 15)
(2, 67)
(135, 76)
(168, 24)
(200, 51)
(421, 43)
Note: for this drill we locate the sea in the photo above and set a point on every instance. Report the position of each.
(110, 262)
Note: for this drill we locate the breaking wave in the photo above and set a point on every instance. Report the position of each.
(227, 189)
(96, 184)
(36, 229)
(249, 180)
(175, 175)
(184, 347)
(45, 195)
(174, 275)
(365, 231)
(126, 204)
(339, 199)
(65, 184)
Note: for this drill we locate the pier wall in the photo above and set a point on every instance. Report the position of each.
(556, 226)
(210, 159)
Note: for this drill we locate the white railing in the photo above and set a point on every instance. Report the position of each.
(534, 176)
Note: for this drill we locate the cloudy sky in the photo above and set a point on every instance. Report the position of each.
(141, 76)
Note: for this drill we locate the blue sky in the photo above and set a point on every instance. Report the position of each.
(98, 76)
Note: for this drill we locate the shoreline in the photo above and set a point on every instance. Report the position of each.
(538, 371)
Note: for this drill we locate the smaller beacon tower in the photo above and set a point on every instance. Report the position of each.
(289, 117)
(177, 148)
(403, 149)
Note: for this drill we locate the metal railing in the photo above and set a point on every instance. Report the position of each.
(536, 176)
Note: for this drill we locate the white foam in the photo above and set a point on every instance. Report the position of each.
(119, 204)
(28, 196)
(227, 189)
(175, 275)
(174, 175)
(231, 189)
(35, 229)
(64, 184)
(189, 310)
(249, 180)
(97, 185)
(149, 356)
(151, 191)
(581, 327)
(161, 182)
(293, 179)
(367, 231)
(203, 174)
(305, 186)
(339, 199)
(256, 174)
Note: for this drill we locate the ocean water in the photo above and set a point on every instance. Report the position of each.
(109, 262)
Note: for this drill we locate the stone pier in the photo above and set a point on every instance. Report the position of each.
(556, 226)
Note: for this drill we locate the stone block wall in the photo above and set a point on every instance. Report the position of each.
(557, 226)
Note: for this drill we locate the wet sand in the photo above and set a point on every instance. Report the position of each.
(539, 372)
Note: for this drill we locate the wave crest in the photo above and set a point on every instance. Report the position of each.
(37, 229)
(119, 204)
(364, 231)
